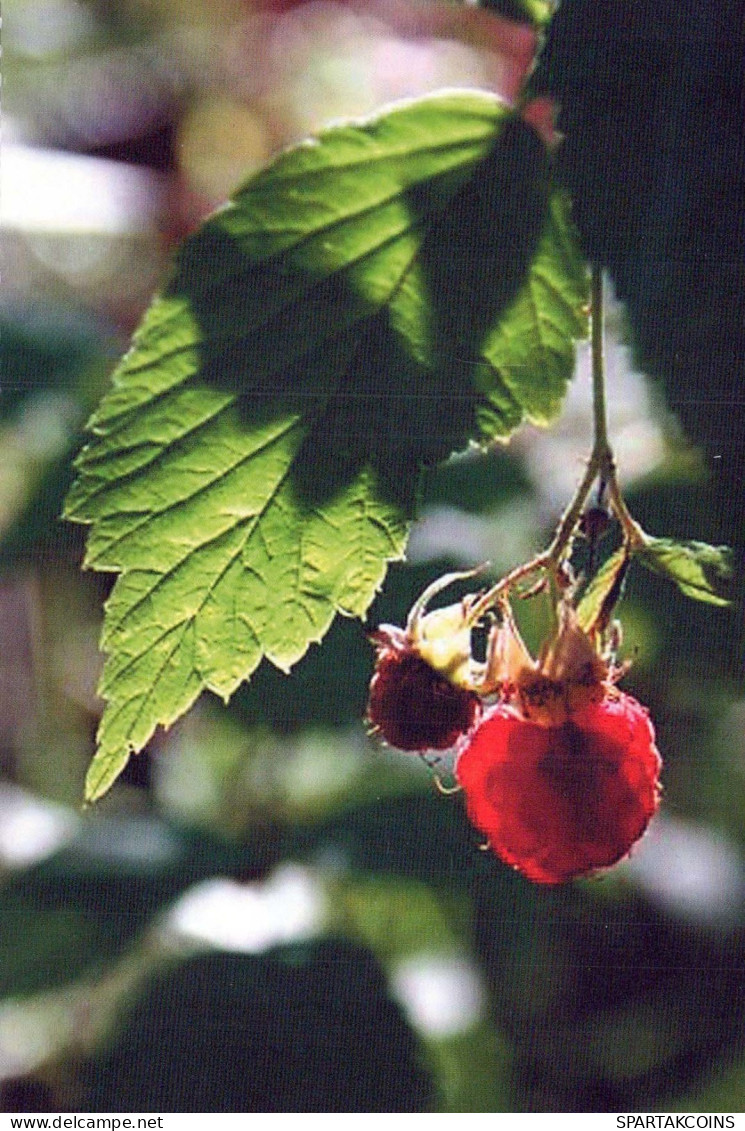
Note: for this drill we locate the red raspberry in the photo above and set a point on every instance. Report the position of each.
(413, 707)
(560, 801)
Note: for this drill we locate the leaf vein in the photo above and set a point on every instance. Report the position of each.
(168, 449)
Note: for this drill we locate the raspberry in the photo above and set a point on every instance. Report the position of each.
(422, 694)
(561, 801)
(414, 707)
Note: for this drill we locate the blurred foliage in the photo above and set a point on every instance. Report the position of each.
(54, 369)
(622, 993)
(312, 1029)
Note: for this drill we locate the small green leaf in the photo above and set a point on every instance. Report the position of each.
(602, 589)
(699, 570)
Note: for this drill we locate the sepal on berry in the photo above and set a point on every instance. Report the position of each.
(568, 674)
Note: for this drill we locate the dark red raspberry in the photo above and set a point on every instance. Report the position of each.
(558, 802)
(415, 708)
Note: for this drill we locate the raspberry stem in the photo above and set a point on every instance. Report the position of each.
(601, 449)
(601, 465)
(602, 459)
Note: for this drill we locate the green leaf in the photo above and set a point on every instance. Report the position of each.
(253, 469)
(359, 274)
(699, 570)
(603, 589)
(529, 355)
(223, 562)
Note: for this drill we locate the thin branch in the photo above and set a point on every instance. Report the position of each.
(601, 449)
(600, 464)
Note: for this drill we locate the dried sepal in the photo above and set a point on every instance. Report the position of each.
(568, 674)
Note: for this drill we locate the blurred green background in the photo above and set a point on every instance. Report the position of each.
(269, 912)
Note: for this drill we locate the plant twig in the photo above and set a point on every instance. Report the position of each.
(601, 464)
(633, 534)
